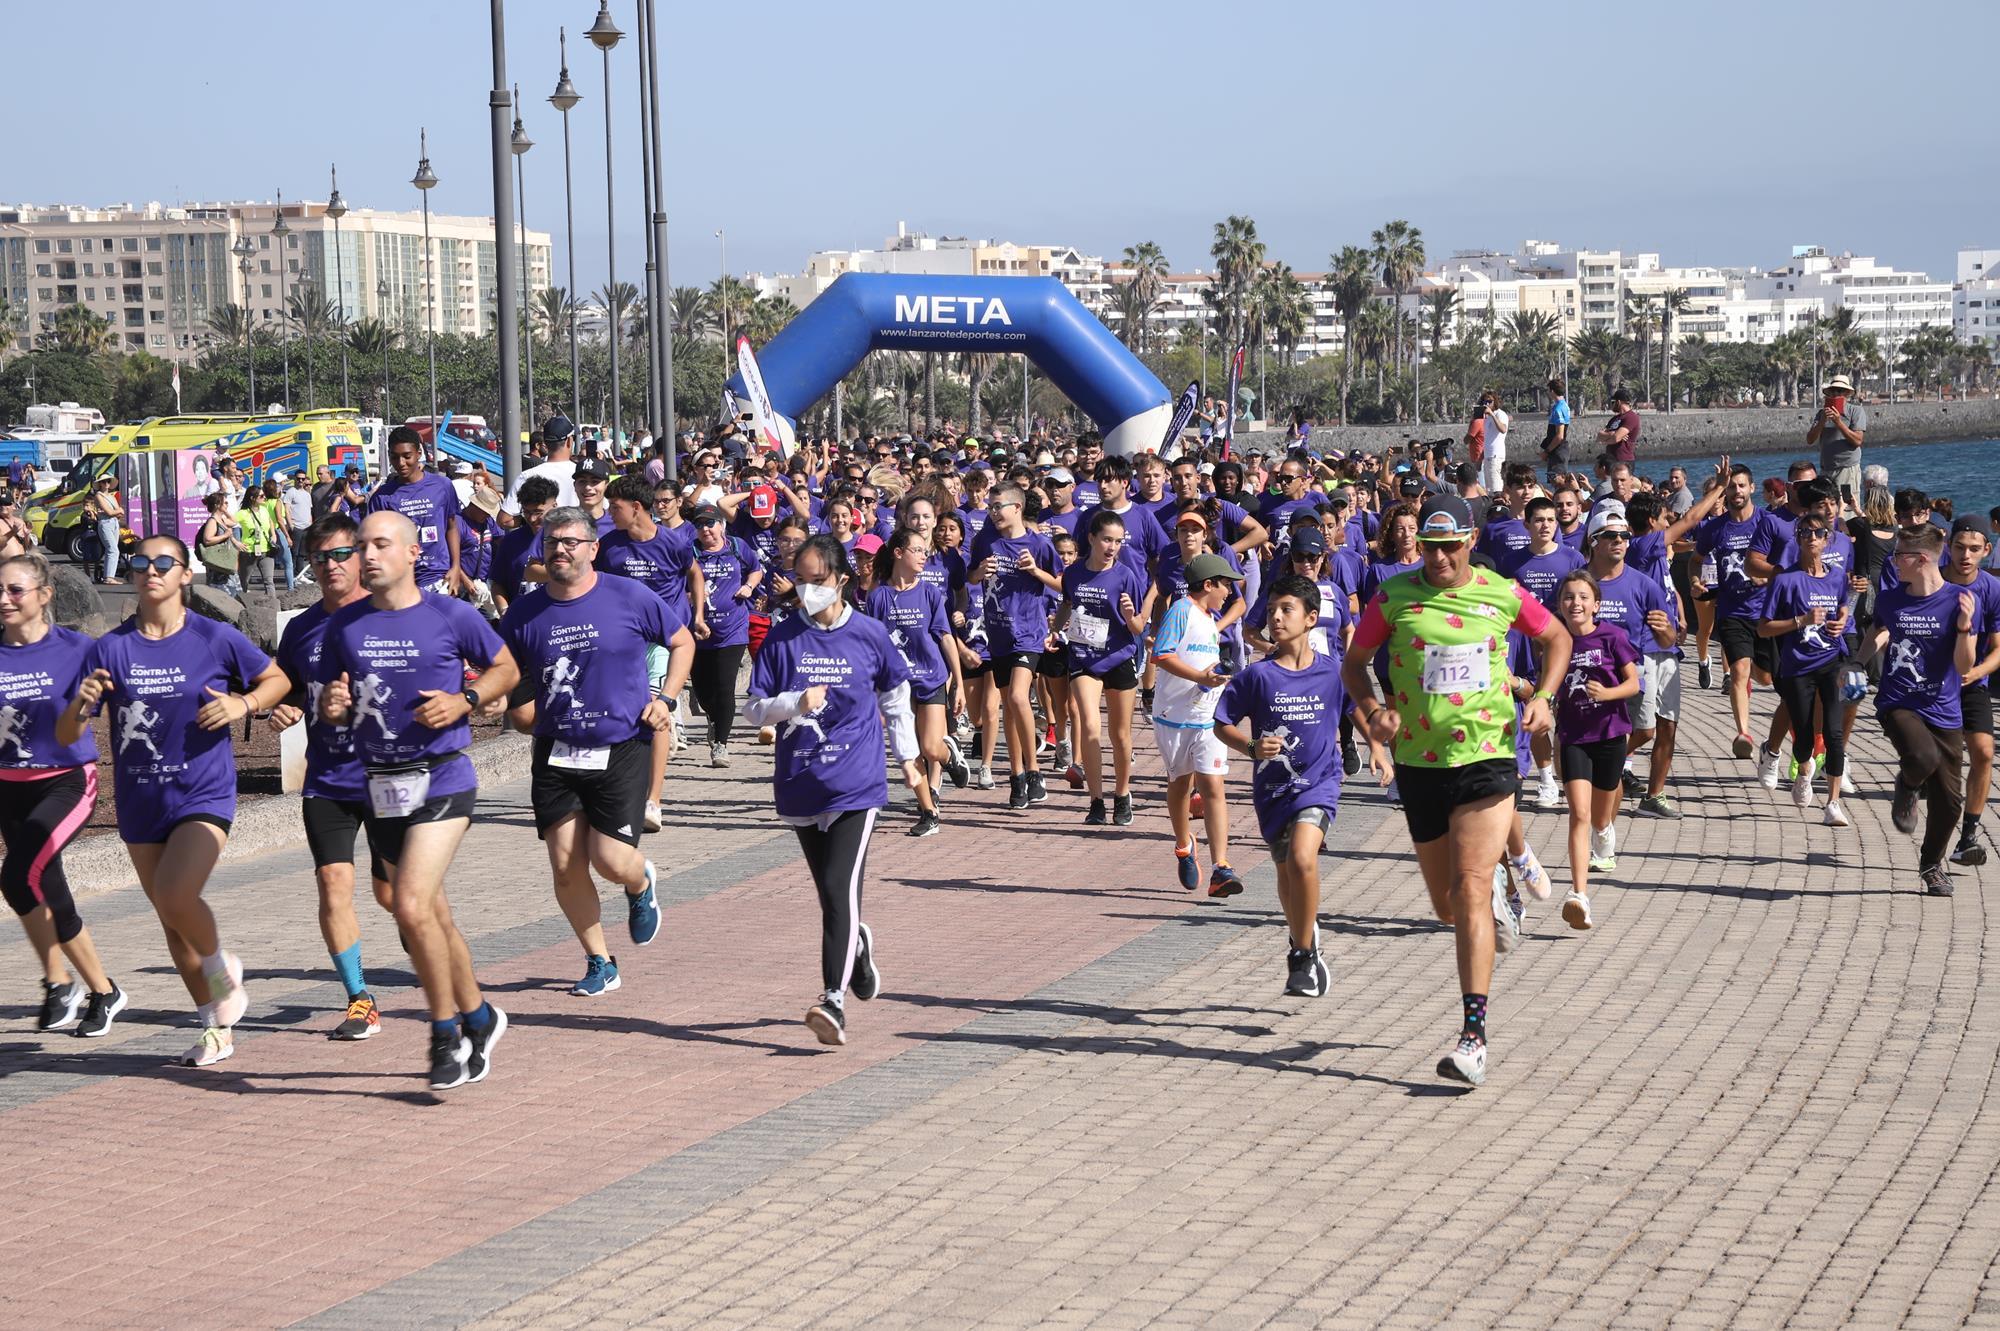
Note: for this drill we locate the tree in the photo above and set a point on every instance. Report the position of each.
(76, 328)
(1375, 334)
(1149, 271)
(767, 318)
(1129, 300)
(231, 323)
(1399, 251)
(732, 298)
(617, 298)
(1641, 318)
(977, 365)
(1438, 308)
(553, 309)
(314, 315)
(6, 325)
(1352, 276)
(1675, 301)
(1238, 254)
(693, 312)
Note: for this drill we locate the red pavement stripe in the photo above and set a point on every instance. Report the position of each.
(331, 1174)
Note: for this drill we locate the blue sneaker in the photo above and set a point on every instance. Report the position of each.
(1189, 871)
(642, 913)
(599, 977)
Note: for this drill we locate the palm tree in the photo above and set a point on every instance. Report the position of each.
(1290, 311)
(1439, 306)
(6, 325)
(315, 316)
(76, 328)
(371, 337)
(693, 312)
(231, 323)
(1351, 274)
(732, 298)
(552, 309)
(617, 298)
(1641, 318)
(1238, 254)
(1672, 302)
(1399, 251)
(767, 318)
(977, 365)
(1149, 271)
(1128, 300)
(1375, 334)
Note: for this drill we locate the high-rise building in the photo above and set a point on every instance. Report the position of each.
(157, 274)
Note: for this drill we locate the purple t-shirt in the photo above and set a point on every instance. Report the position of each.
(167, 766)
(475, 548)
(1302, 708)
(510, 559)
(391, 657)
(1099, 639)
(660, 563)
(1729, 541)
(1625, 600)
(585, 658)
(1505, 539)
(1985, 589)
(1793, 593)
(332, 770)
(914, 619)
(723, 571)
(1329, 633)
(829, 761)
(36, 683)
(1145, 538)
(1541, 575)
(1601, 654)
(431, 503)
(1017, 617)
(1919, 671)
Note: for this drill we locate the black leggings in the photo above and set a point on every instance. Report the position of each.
(43, 816)
(1799, 692)
(714, 682)
(1930, 762)
(838, 857)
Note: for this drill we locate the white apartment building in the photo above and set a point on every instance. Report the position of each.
(157, 273)
(1888, 302)
(909, 252)
(1975, 311)
(1977, 265)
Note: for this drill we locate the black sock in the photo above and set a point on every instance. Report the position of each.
(1968, 826)
(1475, 1016)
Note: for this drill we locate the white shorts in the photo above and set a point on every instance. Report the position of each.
(1659, 691)
(1191, 752)
(657, 658)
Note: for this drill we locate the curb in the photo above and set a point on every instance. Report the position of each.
(101, 864)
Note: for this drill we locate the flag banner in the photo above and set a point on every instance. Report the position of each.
(1183, 413)
(762, 413)
(1229, 404)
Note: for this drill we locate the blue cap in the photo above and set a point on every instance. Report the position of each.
(556, 429)
(1444, 517)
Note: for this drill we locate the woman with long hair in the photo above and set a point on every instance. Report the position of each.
(1104, 613)
(919, 625)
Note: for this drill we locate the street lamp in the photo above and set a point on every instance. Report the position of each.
(722, 251)
(668, 413)
(281, 231)
(604, 34)
(519, 144)
(336, 208)
(425, 180)
(382, 305)
(563, 98)
(243, 249)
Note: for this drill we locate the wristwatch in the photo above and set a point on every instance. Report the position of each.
(471, 696)
(1543, 694)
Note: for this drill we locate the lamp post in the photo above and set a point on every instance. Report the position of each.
(722, 256)
(520, 143)
(563, 98)
(604, 34)
(242, 249)
(650, 290)
(668, 414)
(425, 180)
(382, 304)
(336, 208)
(499, 100)
(280, 230)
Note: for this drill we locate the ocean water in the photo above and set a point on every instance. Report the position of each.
(1967, 470)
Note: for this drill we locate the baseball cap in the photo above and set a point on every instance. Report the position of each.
(1444, 518)
(1410, 486)
(1972, 522)
(1607, 519)
(462, 469)
(1309, 542)
(591, 467)
(867, 543)
(1204, 567)
(1061, 476)
(1191, 516)
(763, 502)
(556, 429)
(705, 514)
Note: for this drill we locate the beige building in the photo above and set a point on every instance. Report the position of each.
(157, 274)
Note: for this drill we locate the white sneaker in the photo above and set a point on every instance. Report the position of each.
(214, 1045)
(1802, 788)
(1768, 766)
(1835, 815)
(985, 776)
(1576, 911)
(1604, 849)
(226, 992)
(1548, 793)
(718, 755)
(1530, 874)
(1506, 928)
(652, 815)
(1466, 1062)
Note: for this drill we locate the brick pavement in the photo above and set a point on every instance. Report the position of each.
(1755, 1095)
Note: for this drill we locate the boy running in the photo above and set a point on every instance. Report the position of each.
(1187, 650)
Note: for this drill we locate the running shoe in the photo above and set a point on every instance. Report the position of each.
(1466, 1062)
(450, 1053)
(986, 776)
(1074, 775)
(1529, 873)
(1802, 789)
(62, 1005)
(1903, 809)
(718, 754)
(1097, 817)
(1350, 758)
(1604, 849)
(1835, 815)
(642, 913)
(226, 992)
(1742, 746)
(1063, 756)
(1518, 908)
(1306, 975)
(1222, 881)
(362, 1020)
(481, 1060)
(1037, 792)
(1634, 783)
(826, 1020)
(1121, 810)
(1506, 929)
(866, 981)
(1969, 851)
(955, 765)
(1936, 880)
(1706, 676)
(1768, 765)
(102, 1008)
(1548, 792)
(681, 743)
(214, 1045)
(1659, 806)
(1017, 791)
(652, 823)
(1186, 867)
(1045, 739)
(600, 976)
(1576, 911)
(927, 824)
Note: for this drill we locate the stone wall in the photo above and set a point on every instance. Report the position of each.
(1685, 433)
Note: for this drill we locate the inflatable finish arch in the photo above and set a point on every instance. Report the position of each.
(863, 312)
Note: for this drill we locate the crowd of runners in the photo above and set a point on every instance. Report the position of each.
(964, 605)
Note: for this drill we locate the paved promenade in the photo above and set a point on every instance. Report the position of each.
(1758, 1094)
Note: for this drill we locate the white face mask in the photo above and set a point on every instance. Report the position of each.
(816, 597)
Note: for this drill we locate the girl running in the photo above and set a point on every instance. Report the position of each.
(49, 789)
(1806, 611)
(1591, 727)
(176, 683)
(913, 610)
(1105, 610)
(829, 678)
(730, 575)
(1058, 703)
(968, 622)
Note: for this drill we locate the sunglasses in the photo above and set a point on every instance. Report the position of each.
(334, 554)
(1447, 547)
(161, 564)
(1816, 533)
(17, 591)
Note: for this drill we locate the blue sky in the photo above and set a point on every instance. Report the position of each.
(1708, 132)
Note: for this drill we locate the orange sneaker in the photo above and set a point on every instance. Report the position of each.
(362, 1020)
